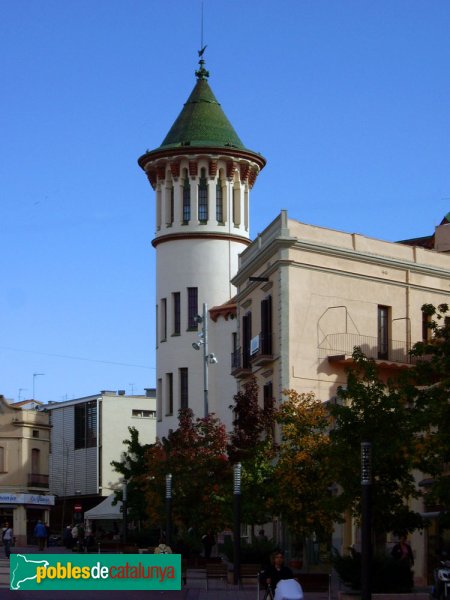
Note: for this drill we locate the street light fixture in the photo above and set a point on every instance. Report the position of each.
(168, 508)
(237, 522)
(208, 358)
(366, 520)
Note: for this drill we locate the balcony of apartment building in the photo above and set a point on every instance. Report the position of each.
(389, 354)
(240, 363)
(37, 480)
(261, 349)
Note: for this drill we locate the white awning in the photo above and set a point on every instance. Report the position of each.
(105, 510)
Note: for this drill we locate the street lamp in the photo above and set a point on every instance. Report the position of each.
(34, 377)
(208, 358)
(125, 511)
(366, 520)
(237, 522)
(168, 508)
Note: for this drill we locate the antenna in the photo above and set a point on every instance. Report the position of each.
(202, 73)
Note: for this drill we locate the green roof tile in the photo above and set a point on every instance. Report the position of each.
(202, 122)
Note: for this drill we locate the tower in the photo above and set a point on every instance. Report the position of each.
(202, 175)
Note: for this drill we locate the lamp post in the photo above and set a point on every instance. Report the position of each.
(366, 520)
(125, 511)
(208, 358)
(237, 522)
(168, 508)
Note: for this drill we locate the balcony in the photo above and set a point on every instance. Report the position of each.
(261, 353)
(36, 480)
(338, 348)
(240, 364)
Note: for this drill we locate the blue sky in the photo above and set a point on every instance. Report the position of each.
(348, 101)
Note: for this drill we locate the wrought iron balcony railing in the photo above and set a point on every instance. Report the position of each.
(336, 344)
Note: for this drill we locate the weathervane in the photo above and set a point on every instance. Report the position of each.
(202, 73)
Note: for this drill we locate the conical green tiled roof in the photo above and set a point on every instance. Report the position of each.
(202, 122)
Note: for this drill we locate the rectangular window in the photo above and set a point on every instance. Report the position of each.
(383, 332)
(172, 206)
(169, 394)
(35, 433)
(85, 425)
(184, 390)
(186, 200)
(163, 319)
(266, 326)
(246, 337)
(192, 308)
(143, 414)
(2, 460)
(219, 202)
(35, 460)
(176, 313)
(203, 198)
(426, 331)
(159, 391)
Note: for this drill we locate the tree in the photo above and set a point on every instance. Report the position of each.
(304, 473)
(252, 444)
(429, 386)
(132, 467)
(369, 410)
(195, 455)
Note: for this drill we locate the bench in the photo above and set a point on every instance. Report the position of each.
(216, 571)
(249, 574)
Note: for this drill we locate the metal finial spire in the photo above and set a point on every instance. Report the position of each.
(202, 73)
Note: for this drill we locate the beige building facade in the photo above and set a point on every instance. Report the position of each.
(308, 295)
(24, 481)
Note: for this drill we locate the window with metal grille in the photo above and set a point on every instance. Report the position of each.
(186, 199)
(192, 307)
(184, 391)
(203, 198)
(176, 313)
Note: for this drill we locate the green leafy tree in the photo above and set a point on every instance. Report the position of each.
(304, 472)
(132, 467)
(429, 388)
(369, 410)
(252, 444)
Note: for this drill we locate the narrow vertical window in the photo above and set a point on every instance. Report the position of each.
(383, 332)
(159, 392)
(35, 461)
(219, 202)
(184, 390)
(426, 331)
(203, 198)
(192, 308)
(186, 199)
(170, 206)
(246, 337)
(163, 319)
(169, 392)
(2, 460)
(266, 326)
(176, 313)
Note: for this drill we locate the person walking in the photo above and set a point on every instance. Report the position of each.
(40, 532)
(7, 537)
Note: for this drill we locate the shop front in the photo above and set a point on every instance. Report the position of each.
(22, 511)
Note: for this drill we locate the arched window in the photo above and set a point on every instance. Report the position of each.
(219, 201)
(203, 198)
(186, 199)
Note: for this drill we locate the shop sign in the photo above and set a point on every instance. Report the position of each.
(27, 499)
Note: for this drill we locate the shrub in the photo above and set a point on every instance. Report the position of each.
(258, 552)
(388, 574)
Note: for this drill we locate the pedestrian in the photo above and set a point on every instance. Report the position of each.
(402, 551)
(261, 537)
(277, 570)
(40, 533)
(7, 538)
(208, 541)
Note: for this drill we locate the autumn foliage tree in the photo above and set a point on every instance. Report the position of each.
(304, 473)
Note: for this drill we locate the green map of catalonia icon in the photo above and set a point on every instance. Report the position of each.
(24, 570)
